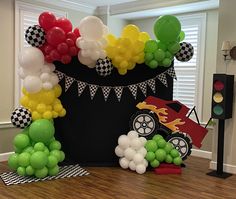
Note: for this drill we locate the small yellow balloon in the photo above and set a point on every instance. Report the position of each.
(57, 90)
(24, 101)
(41, 108)
(36, 115)
(122, 71)
(24, 91)
(49, 108)
(143, 36)
(54, 114)
(111, 39)
(32, 104)
(130, 31)
(123, 64)
(62, 112)
(47, 115)
(57, 107)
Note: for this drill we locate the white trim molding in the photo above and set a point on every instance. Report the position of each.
(227, 167)
(4, 156)
(5, 125)
(201, 154)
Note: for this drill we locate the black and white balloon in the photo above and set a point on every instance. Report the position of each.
(21, 117)
(104, 66)
(35, 36)
(185, 53)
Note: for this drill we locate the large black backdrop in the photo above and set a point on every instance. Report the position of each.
(90, 130)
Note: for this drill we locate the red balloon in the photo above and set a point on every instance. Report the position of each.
(48, 59)
(70, 42)
(48, 48)
(64, 23)
(65, 59)
(47, 20)
(55, 36)
(62, 48)
(73, 51)
(77, 33)
(71, 35)
(55, 55)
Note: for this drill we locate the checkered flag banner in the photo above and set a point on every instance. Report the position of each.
(59, 74)
(106, 91)
(152, 84)
(81, 87)
(118, 91)
(93, 89)
(143, 88)
(171, 72)
(133, 90)
(162, 78)
(68, 82)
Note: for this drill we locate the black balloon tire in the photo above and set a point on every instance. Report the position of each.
(143, 113)
(185, 139)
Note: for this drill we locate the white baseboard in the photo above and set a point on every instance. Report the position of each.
(4, 156)
(201, 154)
(226, 167)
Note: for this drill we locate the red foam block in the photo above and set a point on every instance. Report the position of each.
(168, 169)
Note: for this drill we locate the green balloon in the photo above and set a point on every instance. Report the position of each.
(150, 156)
(39, 146)
(62, 156)
(151, 46)
(57, 154)
(153, 64)
(174, 47)
(46, 151)
(168, 147)
(24, 159)
(160, 155)
(52, 161)
(157, 137)
(41, 173)
(181, 36)
(25, 131)
(21, 171)
(161, 143)
(169, 159)
(155, 163)
(29, 149)
(53, 171)
(168, 55)
(162, 46)
(29, 170)
(148, 56)
(17, 150)
(174, 153)
(21, 141)
(166, 62)
(177, 161)
(38, 160)
(41, 130)
(167, 28)
(151, 145)
(159, 55)
(55, 145)
(13, 161)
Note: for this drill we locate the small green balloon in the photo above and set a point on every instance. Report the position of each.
(151, 145)
(151, 46)
(46, 151)
(159, 55)
(153, 64)
(174, 153)
(52, 161)
(181, 36)
(157, 137)
(150, 156)
(38, 160)
(53, 171)
(162, 46)
(155, 163)
(160, 155)
(169, 159)
(41, 173)
(148, 56)
(62, 157)
(161, 143)
(57, 154)
(166, 62)
(17, 150)
(13, 161)
(177, 161)
(29, 149)
(39, 146)
(174, 47)
(55, 145)
(24, 159)
(168, 147)
(29, 170)
(21, 141)
(168, 55)
(25, 131)
(21, 171)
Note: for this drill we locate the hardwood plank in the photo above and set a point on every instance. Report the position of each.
(116, 183)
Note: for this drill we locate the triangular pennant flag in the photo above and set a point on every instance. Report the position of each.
(81, 87)
(59, 74)
(162, 78)
(133, 90)
(68, 82)
(93, 89)
(171, 72)
(152, 84)
(143, 87)
(118, 91)
(106, 91)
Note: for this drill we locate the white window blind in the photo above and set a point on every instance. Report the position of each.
(188, 87)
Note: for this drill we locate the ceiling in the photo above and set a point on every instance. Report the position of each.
(98, 3)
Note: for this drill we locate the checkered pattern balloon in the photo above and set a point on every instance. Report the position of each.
(185, 53)
(35, 36)
(21, 117)
(104, 66)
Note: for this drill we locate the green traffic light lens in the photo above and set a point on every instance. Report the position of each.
(218, 110)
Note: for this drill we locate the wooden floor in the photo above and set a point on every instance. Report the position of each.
(103, 183)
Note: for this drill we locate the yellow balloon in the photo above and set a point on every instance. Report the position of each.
(123, 64)
(32, 104)
(57, 101)
(130, 31)
(122, 71)
(24, 91)
(143, 36)
(41, 108)
(57, 107)
(118, 59)
(47, 115)
(48, 107)
(139, 46)
(131, 66)
(24, 101)
(36, 115)
(121, 49)
(57, 90)
(54, 114)
(111, 52)
(48, 97)
(111, 39)
(62, 112)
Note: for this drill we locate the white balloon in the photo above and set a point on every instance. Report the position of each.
(140, 169)
(21, 73)
(103, 54)
(132, 135)
(143, 140)
(91, 28)
(79, 42)
(119, 151)
(48, 67)
(123, 141)
(105, 30)
(86, 60)
(54, 79)
(31, 58)
(142, 151)
(95, 55)
(129, 153)
(138, 158)
(132, 165)
(86, 53)
(136, 143)
(47, 85)
(145, 162)
(124, 163)
(32, 84)
(45, 77)
(103, 42)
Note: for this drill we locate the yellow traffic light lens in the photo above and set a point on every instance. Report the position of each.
(218, 110)
(218, 97)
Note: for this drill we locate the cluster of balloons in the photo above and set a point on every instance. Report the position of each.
(91, 41)
(158, 150)
(161, 52)
(44, 104)
(127, 50)
(60, 38)
(132, 153)
(36, 74)
(37, 152)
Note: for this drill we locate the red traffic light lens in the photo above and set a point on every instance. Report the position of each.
(218, 85)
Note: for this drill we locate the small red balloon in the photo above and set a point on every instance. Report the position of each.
(65, 24)
(55, 55)
(73, 51)
(71, 35)
(48, 59)
(47, 20)
(62, 48)
(55, 36)
(65, 59)
(70, 42)
(77, 33)
(48, 48)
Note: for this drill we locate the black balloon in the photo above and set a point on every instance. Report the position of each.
(21, 117)
(104, 66)
(185, 53)
(35, 36)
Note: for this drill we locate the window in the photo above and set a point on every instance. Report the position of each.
(189, 85)
(25, 16)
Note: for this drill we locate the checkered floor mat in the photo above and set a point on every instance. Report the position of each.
(11, 178)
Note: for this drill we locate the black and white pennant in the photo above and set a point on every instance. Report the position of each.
(81, 87)
(59, 75)
(93, 89)
(162, 78)
(143, 88)
(133, 90)
(118, 91)
(171, 72)
(152, 84)
(68, 82)
(106, 91)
